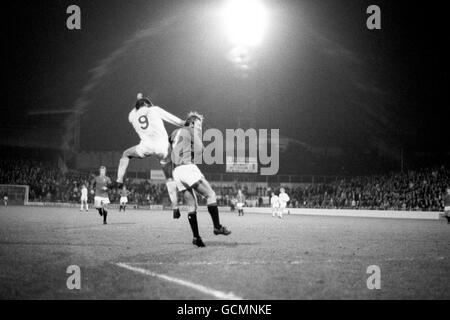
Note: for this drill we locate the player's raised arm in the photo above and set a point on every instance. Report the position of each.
(168, 117)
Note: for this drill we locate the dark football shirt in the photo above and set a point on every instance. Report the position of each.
(100, 183)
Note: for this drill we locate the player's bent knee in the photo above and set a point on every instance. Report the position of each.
(191, 205)
(211, 198)
(125, 158)
(192, 208)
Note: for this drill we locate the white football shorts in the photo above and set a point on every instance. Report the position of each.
(100, 201)
(147, 148)
(185, 176)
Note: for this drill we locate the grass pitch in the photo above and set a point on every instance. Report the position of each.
(148, 255)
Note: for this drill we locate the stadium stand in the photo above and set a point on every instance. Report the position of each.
(414, 190)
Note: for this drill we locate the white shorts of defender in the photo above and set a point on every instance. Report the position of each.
(123, 200)
(83, 199)
(239, 205)
(99, 202)
(275, 210)
(159, 148)
(185, 176)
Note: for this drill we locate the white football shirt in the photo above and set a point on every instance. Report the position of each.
(148, 123)
(284, 198)
(275, 201)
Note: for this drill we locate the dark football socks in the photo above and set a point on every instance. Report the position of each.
(192, 217)
(105, 214)
(214, 212)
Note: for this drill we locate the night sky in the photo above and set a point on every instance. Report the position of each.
(322, 77)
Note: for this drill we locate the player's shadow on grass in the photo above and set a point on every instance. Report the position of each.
(224, 244)
(97, 225)
(229, 244)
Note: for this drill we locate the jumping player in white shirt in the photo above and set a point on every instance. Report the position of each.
(147, 119)
(84, 198)
(275, 202)
(284, 199)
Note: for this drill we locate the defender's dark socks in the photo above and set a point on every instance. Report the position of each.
(105, 214)
(214, 212)
(192, 217)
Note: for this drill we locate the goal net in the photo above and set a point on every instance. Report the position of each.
(17, 194)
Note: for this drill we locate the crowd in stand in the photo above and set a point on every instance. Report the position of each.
(48, 184)
(413, 190)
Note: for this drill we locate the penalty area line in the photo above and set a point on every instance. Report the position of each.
(209, 291)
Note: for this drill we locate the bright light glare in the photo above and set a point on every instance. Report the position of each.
(245, 21)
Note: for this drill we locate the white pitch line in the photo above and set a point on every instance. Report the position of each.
(209, 291)
(274, 262)
(211, 263)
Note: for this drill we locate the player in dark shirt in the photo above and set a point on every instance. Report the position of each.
(124, 193)
(447, 205)
(186, 147)
(101, 198)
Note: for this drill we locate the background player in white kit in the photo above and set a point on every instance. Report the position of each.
(147, 120)
(240, 202)
(284, 199)
(5, 199)
(84, 198)
(275, 202)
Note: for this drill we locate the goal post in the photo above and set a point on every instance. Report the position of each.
(17, 194)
